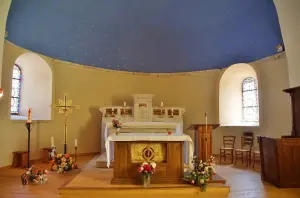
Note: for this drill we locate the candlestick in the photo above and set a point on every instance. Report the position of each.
(75, 154)
(29, 118)
(124, 104)
(76, 143)
(161, 104)
(52, 142)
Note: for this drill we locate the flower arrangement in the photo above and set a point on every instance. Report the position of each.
(202, 172)
(34, 176)
(62, 163)
(147, 169)
(116, 124)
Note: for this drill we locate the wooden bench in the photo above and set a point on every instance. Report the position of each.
(46, 154)
(20, 159)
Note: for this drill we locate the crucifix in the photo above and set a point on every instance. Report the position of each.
(65, 107)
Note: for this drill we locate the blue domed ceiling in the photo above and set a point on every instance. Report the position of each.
(147, 35)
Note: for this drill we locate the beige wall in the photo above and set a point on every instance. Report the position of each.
(92, 88)
(289, 18)
(4, 7)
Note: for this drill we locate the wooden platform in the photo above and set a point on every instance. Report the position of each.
(96, 182)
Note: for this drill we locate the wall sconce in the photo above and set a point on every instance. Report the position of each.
(1, 93)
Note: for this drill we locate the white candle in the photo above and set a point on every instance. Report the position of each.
(161, 104)
(76, 143)
(52, 142)
(29, 118)
(124, 104)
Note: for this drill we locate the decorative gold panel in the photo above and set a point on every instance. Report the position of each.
(155, 152)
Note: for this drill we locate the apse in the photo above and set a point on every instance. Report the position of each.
(161, 36)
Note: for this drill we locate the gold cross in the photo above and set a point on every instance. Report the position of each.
(65, 106)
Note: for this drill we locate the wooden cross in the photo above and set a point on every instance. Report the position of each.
(65, 107)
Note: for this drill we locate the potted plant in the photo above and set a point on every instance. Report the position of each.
(147, 169)
(201, 173)
(117, 125)
(34, 176)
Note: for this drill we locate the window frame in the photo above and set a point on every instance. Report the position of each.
(255, 90)
(20, 84)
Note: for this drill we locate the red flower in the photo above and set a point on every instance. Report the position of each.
(147, 167)
(67, 155)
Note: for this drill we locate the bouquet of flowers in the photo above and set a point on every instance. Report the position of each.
(62, 163)
(34, 176)
(202, 172)
(116, 124)
(147, 169)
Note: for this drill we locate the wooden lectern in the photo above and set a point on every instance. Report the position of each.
(203, 149)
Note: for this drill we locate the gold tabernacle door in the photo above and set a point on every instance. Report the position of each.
(155, 152)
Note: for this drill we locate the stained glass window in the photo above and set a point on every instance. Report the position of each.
(250, 100)
(15, 92)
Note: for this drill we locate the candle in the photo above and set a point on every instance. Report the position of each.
(29, 118)
(1, 92)
(124, 104)
(161, 104)
(76, 143)
(52, 142)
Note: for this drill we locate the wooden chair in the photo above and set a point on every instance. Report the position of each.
(254, 155)
(246, 148)
(228, 148)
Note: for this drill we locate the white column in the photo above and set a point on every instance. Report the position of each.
(4, 7)
(289, 18)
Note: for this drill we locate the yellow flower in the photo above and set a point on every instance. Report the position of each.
(54, 168)
(63, 159)
(63, 164)
(58, 155)
(71, 161)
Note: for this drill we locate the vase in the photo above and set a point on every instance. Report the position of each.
(118, 131)
(147, 181)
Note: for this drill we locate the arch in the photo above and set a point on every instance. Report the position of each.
(36, 87)
(231, 95)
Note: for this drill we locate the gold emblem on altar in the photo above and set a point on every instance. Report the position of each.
(148, 153)
(141, 152)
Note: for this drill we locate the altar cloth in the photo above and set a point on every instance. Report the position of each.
(128, 137)
(144, 126)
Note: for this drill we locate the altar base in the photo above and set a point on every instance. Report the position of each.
(95, 182)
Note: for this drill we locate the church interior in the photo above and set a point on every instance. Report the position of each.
(165, 98)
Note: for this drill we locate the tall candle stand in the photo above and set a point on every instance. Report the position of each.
(29, 126)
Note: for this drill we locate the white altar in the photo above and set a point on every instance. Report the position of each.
(143, 122)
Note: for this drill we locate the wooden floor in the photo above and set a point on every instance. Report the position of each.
(244, 183)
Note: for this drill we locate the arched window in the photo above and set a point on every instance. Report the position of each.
(238, 96)
(250, 100)
(16, 89)
(31, 74)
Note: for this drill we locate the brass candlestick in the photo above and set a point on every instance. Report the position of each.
(161, 112)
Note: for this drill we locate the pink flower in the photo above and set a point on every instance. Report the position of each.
(192, 181)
